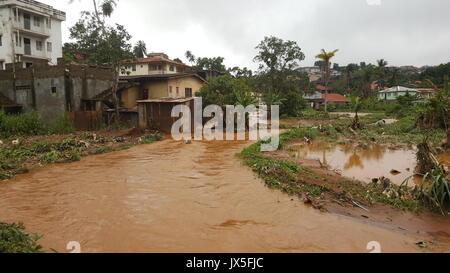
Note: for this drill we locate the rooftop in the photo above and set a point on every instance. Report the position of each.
(154, 58)
(35, 4)
(398, 89)
(162, 76)
(334, 97)
(166, 100)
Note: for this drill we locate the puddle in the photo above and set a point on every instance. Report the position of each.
(362, 164)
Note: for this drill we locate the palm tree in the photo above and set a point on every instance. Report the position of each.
(356, 106)
(140, 49)
(326, 57)
(382, 63)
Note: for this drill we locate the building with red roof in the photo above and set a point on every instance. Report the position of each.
(335, 98)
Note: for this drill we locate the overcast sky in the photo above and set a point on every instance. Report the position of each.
(404, 32)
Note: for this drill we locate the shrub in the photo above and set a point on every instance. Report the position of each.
(60, 125)
(13, 239)
(51, 157)
(26, 124)
(436, 189)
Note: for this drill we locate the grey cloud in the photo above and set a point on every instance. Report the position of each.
(402, 31)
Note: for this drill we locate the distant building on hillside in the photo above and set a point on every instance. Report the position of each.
(154, 64)
(30, 32)
(392, 94)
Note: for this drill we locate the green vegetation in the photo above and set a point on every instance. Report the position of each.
(436, 190)
(14, 239)
(29, 124)
(297, 180)
(149, 139)
(69, 149)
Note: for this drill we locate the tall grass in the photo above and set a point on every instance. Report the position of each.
(20, 125)
(30, 124)
(436, 189)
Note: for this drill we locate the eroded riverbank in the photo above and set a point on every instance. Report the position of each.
(172, 197)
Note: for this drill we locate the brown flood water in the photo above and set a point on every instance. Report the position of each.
(363, 164)
(172, 197)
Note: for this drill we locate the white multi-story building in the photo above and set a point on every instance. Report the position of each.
(30, 31)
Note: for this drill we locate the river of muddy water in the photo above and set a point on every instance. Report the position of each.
(175, 197)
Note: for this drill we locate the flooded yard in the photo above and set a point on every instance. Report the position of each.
(362, 163)
(173, 197)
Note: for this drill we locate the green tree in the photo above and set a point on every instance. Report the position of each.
(140, 49)
(227, 90)
(325, 57)
(101, 43)
(356, 104)
(278, 77)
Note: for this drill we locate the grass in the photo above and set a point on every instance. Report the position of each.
(435, 190)
(297, 180)
(69, 149)
(14, 239)
(30, 124)
(279, 174)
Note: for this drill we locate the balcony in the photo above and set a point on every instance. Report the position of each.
(26, 28)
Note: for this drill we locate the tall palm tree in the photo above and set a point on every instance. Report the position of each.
(382, 63)
(140, 49)
(326, 57)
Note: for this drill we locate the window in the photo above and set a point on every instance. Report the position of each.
(48, 22)
(0, 40)
(37, 21)
(188, 92)
(39, 45)
(170, 90)
(133, 67)
(172, 68)
(18, 40)
(1, 65)
(49, 47)
(17, 15)
(178, 91)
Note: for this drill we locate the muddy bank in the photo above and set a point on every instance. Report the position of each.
(342, 195)
(172, 197)
(23, 154)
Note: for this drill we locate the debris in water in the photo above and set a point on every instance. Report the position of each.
(395, 172)
(15, 142)
(422, 244)
(359, 206)
(188, 142)
(375, 180)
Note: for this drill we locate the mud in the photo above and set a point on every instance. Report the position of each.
(175, 197)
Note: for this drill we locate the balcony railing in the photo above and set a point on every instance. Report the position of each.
(27, 27)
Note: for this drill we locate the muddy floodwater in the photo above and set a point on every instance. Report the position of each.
(174, 197)
(365, 163)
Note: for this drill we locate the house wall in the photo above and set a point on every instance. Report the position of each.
(156, 89)
(394, 95)
(52, 34)
(129, 97)
(53, 90)
(183, 83)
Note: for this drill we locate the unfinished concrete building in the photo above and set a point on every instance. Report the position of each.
(55, 90)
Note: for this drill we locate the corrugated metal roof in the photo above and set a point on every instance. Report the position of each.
(166, 100)
(398, 89)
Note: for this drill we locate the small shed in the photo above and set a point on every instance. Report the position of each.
(157, 113)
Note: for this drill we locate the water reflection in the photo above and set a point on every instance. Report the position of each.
(361, 163)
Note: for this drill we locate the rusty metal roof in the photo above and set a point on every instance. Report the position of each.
(166, 100)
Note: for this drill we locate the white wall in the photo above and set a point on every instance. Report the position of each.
(55, 37)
